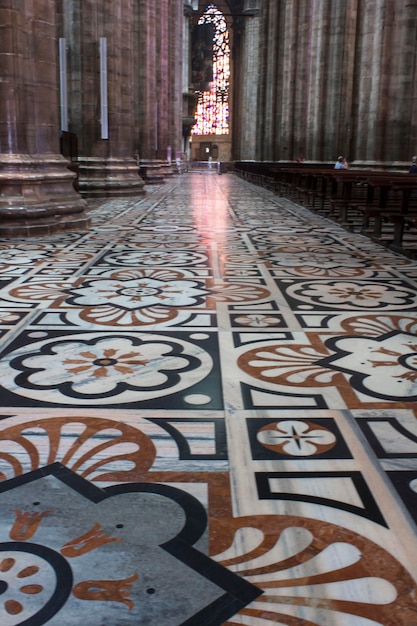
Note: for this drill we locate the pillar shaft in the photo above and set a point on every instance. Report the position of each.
(159, 85)
(289, 64)
(335, 77)
(106, 160)
(371, 57)
(401, 70)
(149, 100)
(36, 187)
(175, 72)
(272, 90)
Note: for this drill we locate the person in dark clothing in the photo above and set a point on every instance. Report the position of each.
(413, 166)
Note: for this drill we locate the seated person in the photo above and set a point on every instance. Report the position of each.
(341, 164)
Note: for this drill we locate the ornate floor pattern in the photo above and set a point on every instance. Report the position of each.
(208, 416)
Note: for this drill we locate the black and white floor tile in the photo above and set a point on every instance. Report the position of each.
(208, 416)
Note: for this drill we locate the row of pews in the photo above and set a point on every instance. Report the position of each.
(379, 204)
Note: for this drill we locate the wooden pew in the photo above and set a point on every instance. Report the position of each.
(382, 205)
(385, 211)
(351, 192)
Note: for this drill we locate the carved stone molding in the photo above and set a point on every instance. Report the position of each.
(152, 171)
(38, 197)
(107, 177)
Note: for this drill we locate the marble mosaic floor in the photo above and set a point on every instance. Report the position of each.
(208, 416)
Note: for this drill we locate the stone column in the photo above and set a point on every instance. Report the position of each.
(189, 98)
(401, 125)
(385, 120)
(317, 85)
(167, 75)
(246, 88)
(176, 21)
(159, 103)
(370, 59)
(271, 81)
(308, 78)
(340, 64)
(37, 196)
(300, 89)
(289, 60)
(149, 92)
(348, 27)
(107, 164)
(339, 77)
(162, 35)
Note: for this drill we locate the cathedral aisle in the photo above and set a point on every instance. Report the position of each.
(208, 416)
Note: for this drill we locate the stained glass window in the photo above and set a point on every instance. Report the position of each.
(212, 112)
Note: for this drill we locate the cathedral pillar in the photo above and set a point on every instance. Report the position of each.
(400, 73)
(300, 85)
(149, 105)
(331, 56)
(101, 43)
(247, 50)
(159, 85)
(375, 31)
(162, 72)
(317, 81)
(290, 54)
(37, 195)
(174, 79)
(386, 129)
(340, 63)
(189, 98)
(169, 81)
(270, 96)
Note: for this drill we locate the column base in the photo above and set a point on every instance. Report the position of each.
(37, 196)
(151, 171)
(167, 169)
(105, 178)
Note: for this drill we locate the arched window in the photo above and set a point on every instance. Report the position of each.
(211, 51)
